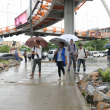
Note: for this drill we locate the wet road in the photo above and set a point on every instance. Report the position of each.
(20, 91)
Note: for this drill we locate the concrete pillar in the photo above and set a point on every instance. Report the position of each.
(69, 16)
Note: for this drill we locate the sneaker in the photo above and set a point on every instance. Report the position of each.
(68, 70)
(84, 72)
(31, 74)
(59, 78)
(39, 74)
(77, 72)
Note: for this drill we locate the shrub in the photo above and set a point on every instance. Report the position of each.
(105, 75)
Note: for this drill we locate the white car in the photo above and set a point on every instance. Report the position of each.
(51, 54)
(96, 54)
(101, 54)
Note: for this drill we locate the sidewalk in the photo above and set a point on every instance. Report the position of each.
(20, 92)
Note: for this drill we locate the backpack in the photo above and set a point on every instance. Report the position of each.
(33, 54)
(84, 51)
(74, 46)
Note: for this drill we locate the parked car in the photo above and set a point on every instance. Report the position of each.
(7, 56)
(51, 54)
(96, 54)
(43, 56)
(101, 54)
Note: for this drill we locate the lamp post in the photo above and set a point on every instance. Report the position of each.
(7, 13)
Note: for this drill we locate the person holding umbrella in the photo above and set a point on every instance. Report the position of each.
(61, 59)
(36, 51)
(61, 55)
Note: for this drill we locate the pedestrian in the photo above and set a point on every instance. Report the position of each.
(25, 56)
(36, 51)
(72, 55)
(82, 54)
(61, 59)
(16, 56)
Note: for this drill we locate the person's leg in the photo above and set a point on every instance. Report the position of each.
(26, 59)
(74, 62)
(84, 65)
(39, 65)
(70, 61)
(79, 63)
(34, 65)
(31, 63)
(59, 70)
(62, 67)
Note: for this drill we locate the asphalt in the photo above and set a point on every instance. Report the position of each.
(20, 91)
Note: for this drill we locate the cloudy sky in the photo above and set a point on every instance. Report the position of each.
(91, 15)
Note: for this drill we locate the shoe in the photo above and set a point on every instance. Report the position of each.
(39, 74)
(31, 74)
(77, 72)
(68, 70)
(84, 72)
(59, 78)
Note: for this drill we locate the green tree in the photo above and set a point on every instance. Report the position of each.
(4, 49)
(50, 46)
(28, 49)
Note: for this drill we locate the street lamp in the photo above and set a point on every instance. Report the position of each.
(7, 13)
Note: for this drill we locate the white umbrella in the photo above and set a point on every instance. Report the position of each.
(68, 37)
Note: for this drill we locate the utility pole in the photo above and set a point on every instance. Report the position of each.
(31, 28)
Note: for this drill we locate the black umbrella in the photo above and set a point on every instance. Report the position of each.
(56, 41)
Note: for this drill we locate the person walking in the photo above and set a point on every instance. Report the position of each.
(82, 54)
(16, 56)
(25, 56)
(61, 59)
(36, 51)
(72, 55)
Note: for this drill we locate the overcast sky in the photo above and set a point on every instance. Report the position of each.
(90, 15)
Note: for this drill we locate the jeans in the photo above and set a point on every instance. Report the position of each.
(36, 61)
(60, 67)
(72, 58)
(25, 59)
(83, 63)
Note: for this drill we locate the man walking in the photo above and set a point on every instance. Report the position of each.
(36, 51)
(82, 53)
(72, 55)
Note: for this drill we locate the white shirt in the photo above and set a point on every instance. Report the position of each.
(38, 51)
(81, 53)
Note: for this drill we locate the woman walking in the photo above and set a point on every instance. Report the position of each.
(61, 59)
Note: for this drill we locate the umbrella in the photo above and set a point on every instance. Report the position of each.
(107, 46)
(68, 37)
(30, 42)
(56, 41)
(23, 49)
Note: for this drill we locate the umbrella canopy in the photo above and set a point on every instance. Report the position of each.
(30, 42)
(23, 49)
(107, 46)
(68, 37)
(56, 41)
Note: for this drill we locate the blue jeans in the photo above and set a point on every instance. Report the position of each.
(83, 63)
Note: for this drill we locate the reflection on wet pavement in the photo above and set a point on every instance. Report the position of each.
(20, 74)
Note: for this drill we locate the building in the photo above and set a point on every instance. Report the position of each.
(9, 43)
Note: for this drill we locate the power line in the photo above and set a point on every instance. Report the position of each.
(8, 12)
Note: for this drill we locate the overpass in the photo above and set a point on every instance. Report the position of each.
(46, 13)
